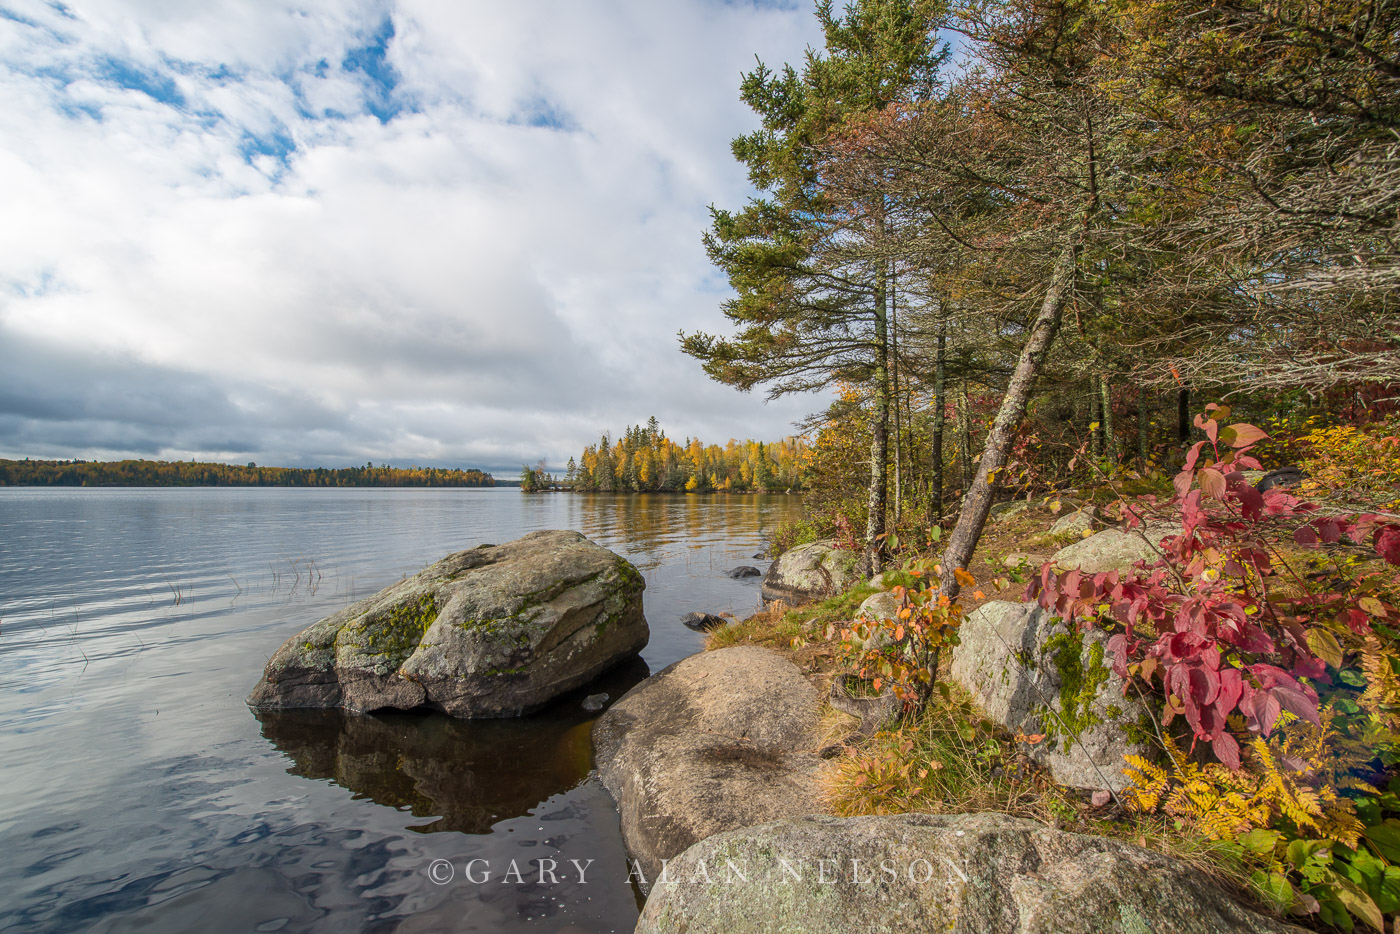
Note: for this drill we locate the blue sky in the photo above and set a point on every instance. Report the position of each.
(332, 231)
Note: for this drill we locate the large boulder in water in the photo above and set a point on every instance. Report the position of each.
(812, 572)
(495, 631)
(916, 873)
(718, 740)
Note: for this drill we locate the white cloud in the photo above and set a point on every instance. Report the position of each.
(230, 237)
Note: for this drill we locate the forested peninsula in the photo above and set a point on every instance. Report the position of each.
(192, 473)
(643, 460)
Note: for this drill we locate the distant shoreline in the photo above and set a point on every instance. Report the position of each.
(144, 473)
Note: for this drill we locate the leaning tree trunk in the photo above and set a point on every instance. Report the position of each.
(977, 503)
(879, 423)
(940, 400)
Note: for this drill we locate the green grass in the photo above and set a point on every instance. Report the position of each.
(779, 624)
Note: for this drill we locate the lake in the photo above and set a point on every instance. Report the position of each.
(139, 793)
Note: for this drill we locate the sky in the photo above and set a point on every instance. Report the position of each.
(326, 232)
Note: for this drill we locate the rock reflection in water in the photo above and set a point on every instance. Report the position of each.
(470, 774)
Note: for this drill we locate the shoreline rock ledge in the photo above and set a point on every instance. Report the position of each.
(494, 631)
(916, 873)
(719, 740)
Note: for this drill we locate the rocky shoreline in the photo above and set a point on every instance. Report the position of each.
(718, 764)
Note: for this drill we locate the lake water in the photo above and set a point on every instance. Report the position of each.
(139, 793)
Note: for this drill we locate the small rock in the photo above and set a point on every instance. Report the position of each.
(1076, 523)
(879, 606)
(1283, 477)
(701, 622)
(595, 702)
(760, 555)
(1015, 507)
(744, 571)
(811, 572)
(1114, 549)
(1006, 659)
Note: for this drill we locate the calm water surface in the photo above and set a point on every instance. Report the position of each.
(139, 793)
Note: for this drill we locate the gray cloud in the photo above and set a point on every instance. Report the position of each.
(329, 232)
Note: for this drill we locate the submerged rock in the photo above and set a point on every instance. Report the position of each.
(718, 740)
(743, 571)
(916, 873)
(495, 631)
(811, 572)
(702, 622)
(1034, 676)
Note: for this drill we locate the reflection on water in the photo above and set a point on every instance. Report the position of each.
(467, 775)
(138, 793)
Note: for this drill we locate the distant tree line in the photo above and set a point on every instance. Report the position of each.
(644, 460)
(190, 473)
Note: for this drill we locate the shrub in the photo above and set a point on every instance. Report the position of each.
(1289, 681)
(1363, 464)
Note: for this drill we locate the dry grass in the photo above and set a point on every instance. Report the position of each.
(950, 760)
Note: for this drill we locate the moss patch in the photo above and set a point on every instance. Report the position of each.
(1080, 680)
(390, 637)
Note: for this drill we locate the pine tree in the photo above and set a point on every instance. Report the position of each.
(810, 277)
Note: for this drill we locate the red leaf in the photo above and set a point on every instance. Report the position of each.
(1305, 536)
(1226, 750)
(1192, 456)
(1387, 543)
(1251, 501)
(1231, 689)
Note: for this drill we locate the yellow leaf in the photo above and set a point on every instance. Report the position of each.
(1093, 426)
(1325, 646)
(1372, 605)
(978, 595)
(1357, 901)
(964, 578)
